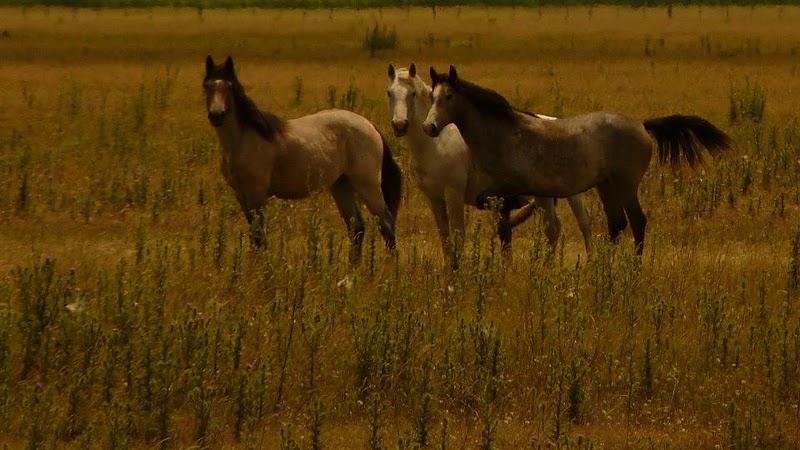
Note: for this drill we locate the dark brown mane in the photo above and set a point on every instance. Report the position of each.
(247, 113)
(485, 99)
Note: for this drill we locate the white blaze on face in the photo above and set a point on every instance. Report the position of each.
(217, 96)
(435, 114)
(398, 100)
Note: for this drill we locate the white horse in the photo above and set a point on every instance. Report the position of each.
(448, 177)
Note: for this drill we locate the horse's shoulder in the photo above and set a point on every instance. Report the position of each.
(338, 118)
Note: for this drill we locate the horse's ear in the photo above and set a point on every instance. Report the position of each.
(391, 72)
(412, 70)
(433, 75)
(209, 65)
(453, 75)
(228, 67)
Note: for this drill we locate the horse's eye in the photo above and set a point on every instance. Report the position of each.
(413, 94)
(389, 93)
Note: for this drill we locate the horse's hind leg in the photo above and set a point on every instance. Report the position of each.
(613, 201)
(345, 199)
(583, 219)
(372, 196)
(638, 222)
(552, 226)
(524, 212)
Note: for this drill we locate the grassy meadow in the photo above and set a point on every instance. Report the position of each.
(133, 313)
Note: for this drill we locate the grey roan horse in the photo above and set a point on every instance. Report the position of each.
(264, 156)
(560, 158)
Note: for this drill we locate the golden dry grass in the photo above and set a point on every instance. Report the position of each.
(105, 153)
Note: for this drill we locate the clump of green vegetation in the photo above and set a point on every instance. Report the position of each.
(380, 38)
(747, 102)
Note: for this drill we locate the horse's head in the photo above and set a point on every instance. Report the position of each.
(218, 85)
(443, 100)
(402, 94)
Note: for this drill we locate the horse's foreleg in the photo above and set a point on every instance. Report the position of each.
(439, 209)
(583, 219)
(254, 214)
(258, 234)
(455, 211)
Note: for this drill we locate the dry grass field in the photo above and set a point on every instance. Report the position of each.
(133, 313)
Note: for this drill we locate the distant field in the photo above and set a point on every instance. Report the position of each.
(358, 4)
(133, 313)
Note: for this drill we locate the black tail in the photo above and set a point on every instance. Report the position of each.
(678, 135)
(391, 181)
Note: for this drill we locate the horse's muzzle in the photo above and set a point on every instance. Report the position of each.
(431, 129)
(216, 118)
(400, 127)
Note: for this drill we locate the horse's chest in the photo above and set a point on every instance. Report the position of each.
(427, 175)
(245, 171)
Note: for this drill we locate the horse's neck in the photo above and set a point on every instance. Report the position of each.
(485, 135)
(238, 144)
(422, 103)
(234, 136)
(421, 143)
(230, 137)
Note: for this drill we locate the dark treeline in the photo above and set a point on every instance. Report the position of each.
(374, 3)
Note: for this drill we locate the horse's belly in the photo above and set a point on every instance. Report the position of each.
(559, 174)
(291, 181)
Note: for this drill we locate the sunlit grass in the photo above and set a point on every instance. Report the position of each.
(134, 314)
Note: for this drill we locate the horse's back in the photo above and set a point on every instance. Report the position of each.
(342, 123)
(347, 137)
(620, 143)
(317, 149)
(606, 128)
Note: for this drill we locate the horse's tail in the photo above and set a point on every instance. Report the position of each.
(391, 180)
(678, 135)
